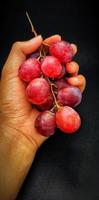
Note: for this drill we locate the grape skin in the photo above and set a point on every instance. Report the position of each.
(62, 50)
(63, 72)
(45, 123)
(61, 83)
(46, 105)
(51, 67)
(30, 69)
(38, 91)
(68, 120)
(70, 96)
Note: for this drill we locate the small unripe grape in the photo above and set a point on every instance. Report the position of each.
(45, 123)
(68, 120)
(30, 69)
(38, 91)
(51, 67)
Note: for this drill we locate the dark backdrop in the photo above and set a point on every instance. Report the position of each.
(66, 167)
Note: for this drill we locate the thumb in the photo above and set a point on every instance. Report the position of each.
(19, 52)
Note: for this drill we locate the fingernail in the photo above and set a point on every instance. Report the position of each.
(39, 36)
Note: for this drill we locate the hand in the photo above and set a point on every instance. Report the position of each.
(19, 139)
(16, 112)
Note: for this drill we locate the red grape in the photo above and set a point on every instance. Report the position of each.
(45, 123)
(30, 69)
(68, 120)
(61, 84)
(46, 105)
(51, 67)
(38, 91)
(63, 72)
(61, 50)
(70, 96)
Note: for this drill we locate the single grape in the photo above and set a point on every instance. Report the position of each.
(70, 96)
(51, 67)
(61, 83)
(38, 91)
(30, 69)
(45, 123)
(61, 50)
(68, 120)
(63, 72)
(46, 105)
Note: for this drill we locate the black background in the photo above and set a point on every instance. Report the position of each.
(65, 167)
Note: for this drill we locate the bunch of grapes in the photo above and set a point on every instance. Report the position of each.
(51, 76)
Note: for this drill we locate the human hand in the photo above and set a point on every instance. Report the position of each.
(17, 114)
(19, 140)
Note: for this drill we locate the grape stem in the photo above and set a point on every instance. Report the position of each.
(31, 24)
(55, 100)
(35, 33)
(33, 29)
(42, 55)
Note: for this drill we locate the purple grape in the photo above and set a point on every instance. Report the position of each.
(61, 83)
(47, 105)
(70, 96)
(45, 123)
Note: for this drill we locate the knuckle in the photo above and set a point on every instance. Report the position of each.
(16, 45)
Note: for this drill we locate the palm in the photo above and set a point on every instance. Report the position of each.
(18, 111)
(24, 114)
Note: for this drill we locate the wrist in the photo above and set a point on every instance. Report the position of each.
(16, 156)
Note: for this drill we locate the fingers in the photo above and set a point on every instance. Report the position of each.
(78, 81)
(72, 68)
(54, 38)
(27, 47)
(74, 48)
(19, 52)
